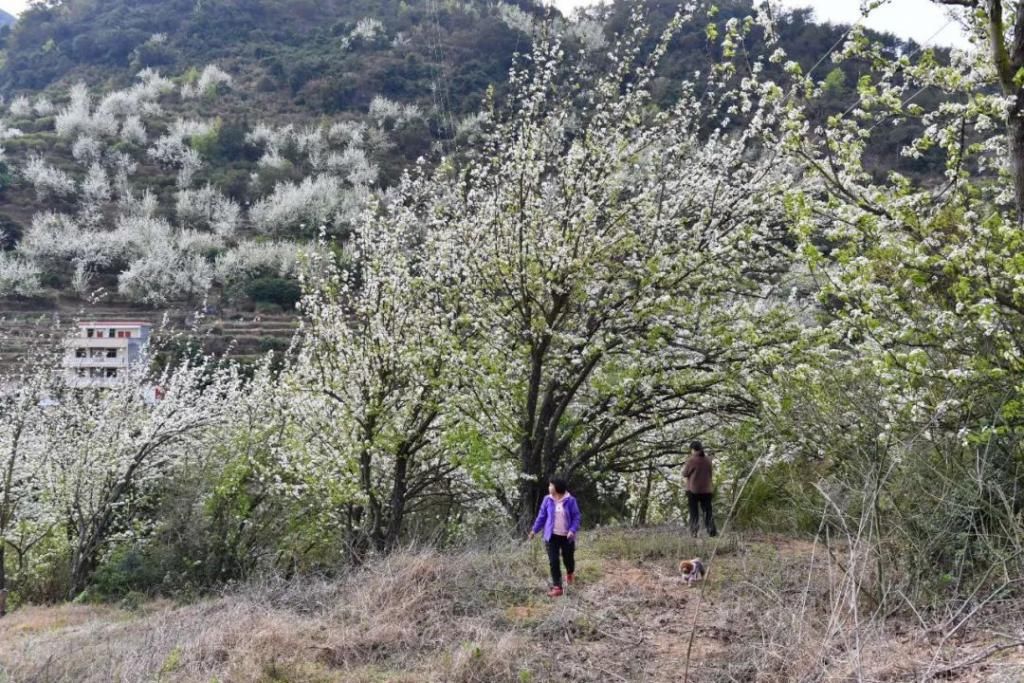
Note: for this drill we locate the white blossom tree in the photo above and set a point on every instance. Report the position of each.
(95, 194)
(208, 209)
(20, 107)
(304, 207)
(25, 515)
(252, 259)
(616, 274)
(18, 276)
(47, 180)
(372, 376)
(208, 81)
(106, 446)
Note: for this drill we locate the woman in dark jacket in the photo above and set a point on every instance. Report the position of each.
(697, 473)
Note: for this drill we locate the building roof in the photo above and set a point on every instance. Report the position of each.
(115, 323)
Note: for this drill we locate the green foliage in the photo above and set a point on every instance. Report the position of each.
(151, 55)
(172, 662)
(835, 82)
(272, 344)
(275, 290)
(780, 498)
(41, 577)
(127, 569)
(207, 144)
(6, 177)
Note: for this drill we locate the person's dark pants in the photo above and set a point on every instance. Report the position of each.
(561, 544)
(701, 502)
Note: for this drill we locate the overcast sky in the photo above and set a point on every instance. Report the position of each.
(917, 19)
(13, 6)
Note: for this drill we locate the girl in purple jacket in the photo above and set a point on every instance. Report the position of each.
(559, 517)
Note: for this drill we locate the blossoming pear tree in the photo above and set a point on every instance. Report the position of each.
(613, 271)
(102, 448)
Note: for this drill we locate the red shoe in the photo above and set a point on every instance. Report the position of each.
(570, 578)
(555, 592)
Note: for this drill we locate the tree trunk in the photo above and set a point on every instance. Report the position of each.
(530, 474)
(531, 493)
(3, 580)
(87, 550)
(1015, 135)
(1008, 60)
(81, 568)
(645, 498)
(396, 511)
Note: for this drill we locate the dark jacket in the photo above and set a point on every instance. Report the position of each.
(698, 474)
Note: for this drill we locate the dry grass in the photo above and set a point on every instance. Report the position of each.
(773, 609)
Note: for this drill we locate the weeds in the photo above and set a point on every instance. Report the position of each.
(773, 609)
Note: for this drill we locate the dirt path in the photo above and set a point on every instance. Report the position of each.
(634, 622)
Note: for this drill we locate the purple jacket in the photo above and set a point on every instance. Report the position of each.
(546, 516)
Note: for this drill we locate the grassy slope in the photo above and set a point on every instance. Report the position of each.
(773, 609)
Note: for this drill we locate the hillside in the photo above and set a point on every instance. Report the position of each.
(772, 609)
(214, 140)
(6, 19)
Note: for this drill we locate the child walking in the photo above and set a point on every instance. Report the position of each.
(559, 517)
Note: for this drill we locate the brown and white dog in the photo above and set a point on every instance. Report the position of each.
(692, 570)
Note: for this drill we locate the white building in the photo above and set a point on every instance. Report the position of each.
(103, 350)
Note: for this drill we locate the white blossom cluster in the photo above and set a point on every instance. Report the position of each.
(20, 107)
(142, 99)
(251, 259)
(367, 28)
(47, 180)
(211, 77)
(305, 206)
(207, 209)
(383, 110)
(18, 276)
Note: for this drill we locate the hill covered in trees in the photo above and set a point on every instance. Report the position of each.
(178, 150)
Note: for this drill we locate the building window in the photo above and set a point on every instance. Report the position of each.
(111, 353)
(81, 372)
(89, 332)
(111, 372)
(79, 353)
(124, 334)
(111, 333)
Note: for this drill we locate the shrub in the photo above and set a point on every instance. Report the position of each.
(151, 54)
(275, 290)
(267, 343)
(266, 308)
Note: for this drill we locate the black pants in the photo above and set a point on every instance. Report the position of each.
(568, 549)
(701, 502)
